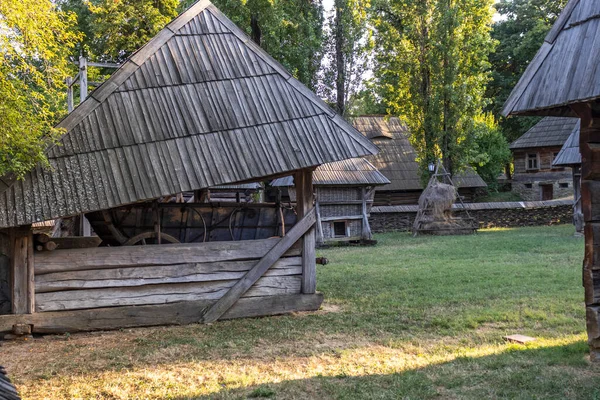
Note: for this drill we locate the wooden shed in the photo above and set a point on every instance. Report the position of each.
(563, 80)
(344, 192)
(536, 176)
(397, 161)
(197, 107)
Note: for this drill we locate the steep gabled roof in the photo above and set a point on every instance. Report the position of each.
(569, 155)
(200, 105)
(397, 158)
(351, 172)
(565, 69)
(550, 131)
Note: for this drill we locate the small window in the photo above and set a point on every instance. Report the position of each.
(532, 161)
(339, 229)
(564, 185)
(529, 185)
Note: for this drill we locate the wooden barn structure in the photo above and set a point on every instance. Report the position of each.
(563, 80)
(569, 156)
(199, 106)
(344, 192)
(536, 176)
(397, 161)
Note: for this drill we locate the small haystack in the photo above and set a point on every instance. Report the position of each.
(435, 215)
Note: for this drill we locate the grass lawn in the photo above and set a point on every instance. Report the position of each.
(410, 318)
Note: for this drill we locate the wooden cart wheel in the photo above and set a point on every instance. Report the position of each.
(142, 237)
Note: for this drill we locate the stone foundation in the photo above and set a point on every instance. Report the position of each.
(489, 215)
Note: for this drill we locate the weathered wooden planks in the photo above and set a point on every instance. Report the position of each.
(114, 257)
(160, 274)
(153, 315)
(252, 276)
(161, 294)
(22, 272)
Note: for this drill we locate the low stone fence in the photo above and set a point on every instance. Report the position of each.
(489, 215)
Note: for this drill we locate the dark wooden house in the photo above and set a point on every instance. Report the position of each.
(563, 80)
(570, 157)
(535, 175)
(397, 161)
(344, 192)
(197, 107)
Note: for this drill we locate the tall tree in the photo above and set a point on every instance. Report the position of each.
(431, 70)
(346, 52)
(520, 32)
(35, 39)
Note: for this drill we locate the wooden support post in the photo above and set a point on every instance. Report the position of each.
(589, 144)
(70, 104)
(304, 204)
(22, 273)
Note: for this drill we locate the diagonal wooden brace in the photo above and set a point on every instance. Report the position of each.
(233, 295)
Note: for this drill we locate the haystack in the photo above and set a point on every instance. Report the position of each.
(435, 215)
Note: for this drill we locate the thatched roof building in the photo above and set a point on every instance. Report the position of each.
(199, 106)
(397, 161)
(564, 80)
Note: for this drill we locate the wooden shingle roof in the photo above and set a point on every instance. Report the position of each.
(550, 131)
(569, 155)
(397, 158)
(351, 172)
(200, 105)
(565, 69)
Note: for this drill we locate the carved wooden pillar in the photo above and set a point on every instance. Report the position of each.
(590, 195)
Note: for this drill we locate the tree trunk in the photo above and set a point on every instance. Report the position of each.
(340, 80)
(256, 33)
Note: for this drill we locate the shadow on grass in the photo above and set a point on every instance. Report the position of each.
(556, 372)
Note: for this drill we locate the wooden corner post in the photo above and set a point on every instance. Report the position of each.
(21, 271)
(304, 204)
(589, 145)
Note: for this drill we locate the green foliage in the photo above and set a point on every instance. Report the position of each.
(35, 39)
(120, 27)
(490, 152)
(347, 44)
(520, 32)
(431, 70)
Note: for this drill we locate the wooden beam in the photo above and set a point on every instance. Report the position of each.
(182, 313)
(304, 206)
(22, 271)
(229, 299)
(366, 229)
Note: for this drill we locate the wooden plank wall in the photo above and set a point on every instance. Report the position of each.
(144, 275)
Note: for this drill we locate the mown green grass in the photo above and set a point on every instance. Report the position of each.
(412, 318)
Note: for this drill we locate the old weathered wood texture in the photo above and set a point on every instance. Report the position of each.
(152, 315)
(590, 193)
(563, 71)
(305, 206)
(141, 275)
(22, 271)
(199, 106)
(254, 275)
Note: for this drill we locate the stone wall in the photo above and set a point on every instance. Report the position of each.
(489, 215)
